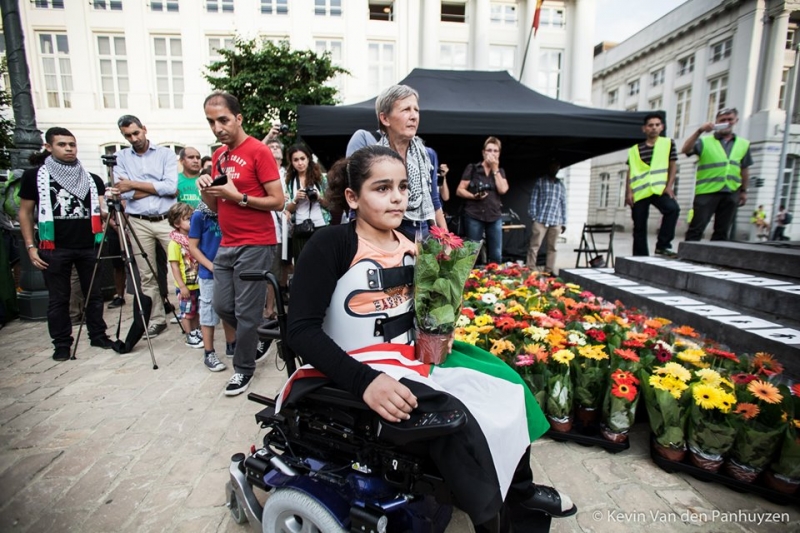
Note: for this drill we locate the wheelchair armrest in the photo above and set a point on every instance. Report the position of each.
(422, 426)
(339, 397)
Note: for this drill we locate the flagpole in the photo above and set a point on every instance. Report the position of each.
(534, 29)
(525, 57)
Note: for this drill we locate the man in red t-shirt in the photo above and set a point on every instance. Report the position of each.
(243, 204)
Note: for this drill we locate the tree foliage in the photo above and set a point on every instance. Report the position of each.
(271, 80)
(6, 124)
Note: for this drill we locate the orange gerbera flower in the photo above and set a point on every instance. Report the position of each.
(624, 390)
(686, 331)
(765, 391)
(623, 376)
(766, 364)
(628, 355)
(747, 410)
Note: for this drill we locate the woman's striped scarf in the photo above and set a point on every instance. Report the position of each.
(75, 180)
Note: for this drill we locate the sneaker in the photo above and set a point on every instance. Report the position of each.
(155, 329)
(103, 342)
(230, 348)
(262, 349)
(548, 500)
(237, 384)
(197, 333)
(213, 364)
(666, 252)
(193, 341)
(118, 301)
(61, 353)
(173, 320)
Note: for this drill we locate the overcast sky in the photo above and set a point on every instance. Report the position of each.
(619, 19)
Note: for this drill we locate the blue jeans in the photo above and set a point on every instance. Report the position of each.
(494, 236)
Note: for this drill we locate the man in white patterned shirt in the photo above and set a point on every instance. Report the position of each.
(548, 211)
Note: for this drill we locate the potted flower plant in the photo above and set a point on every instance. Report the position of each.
(558, 406)
(710, 432)
(784, 474)
(621, 397)
(667, 400)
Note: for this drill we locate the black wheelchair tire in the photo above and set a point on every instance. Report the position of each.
(237, 512)
(288, 509)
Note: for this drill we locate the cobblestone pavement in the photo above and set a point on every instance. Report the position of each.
(106, 443)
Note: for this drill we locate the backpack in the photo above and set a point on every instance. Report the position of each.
(787, 218)
(9, 193)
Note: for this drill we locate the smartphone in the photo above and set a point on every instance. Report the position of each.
(720, 127)
(219, 180)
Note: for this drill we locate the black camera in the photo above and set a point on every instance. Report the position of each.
(109, 160)
(478, 187)
(284, 129)
(311, 193)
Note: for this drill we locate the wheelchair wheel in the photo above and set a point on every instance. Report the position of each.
(291, 511)
(237, 513)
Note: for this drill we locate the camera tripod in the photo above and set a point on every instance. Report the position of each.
(117, 213)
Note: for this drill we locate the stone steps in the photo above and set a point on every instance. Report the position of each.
(780, 259)
(741, 331)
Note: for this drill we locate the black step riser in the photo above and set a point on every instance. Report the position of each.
(762, 260)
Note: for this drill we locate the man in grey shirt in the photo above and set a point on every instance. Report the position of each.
(146, 177)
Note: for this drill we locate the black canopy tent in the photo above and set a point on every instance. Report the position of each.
(459, 109)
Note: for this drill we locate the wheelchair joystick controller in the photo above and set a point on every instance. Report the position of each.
(422, 426)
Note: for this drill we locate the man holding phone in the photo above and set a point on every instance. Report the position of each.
(722, 175)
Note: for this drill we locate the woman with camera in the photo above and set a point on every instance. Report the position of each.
(481, 186)
(305, 186)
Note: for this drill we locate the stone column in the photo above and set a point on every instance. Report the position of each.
(775, 57)
(581, 38)
(479, 34)
(431, 15)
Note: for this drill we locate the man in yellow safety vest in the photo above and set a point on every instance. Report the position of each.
(722, 175)
(651, 178)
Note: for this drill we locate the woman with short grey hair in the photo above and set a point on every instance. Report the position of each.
(397, 109)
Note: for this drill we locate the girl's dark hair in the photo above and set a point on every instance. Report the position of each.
(351, 173)
(313, 173)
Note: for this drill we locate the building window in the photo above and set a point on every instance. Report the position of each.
(453, 56)
(721, 50)
(112, 5)
(114, 80)
(791, 37)
(334, 47)
(170, 6)
(605, 186)
(632, 108)
(175, 147)
(47, 4)
(274, 7)
(504, 13)
(552, 17)
(219, 6)
(790, 186)
(622, 179)
(683, 101)
(169, 72)
(685, 65)
(113, 148)
(328, 8)
(381, 11)
(656, 103)
(548, 78)
(380, 65)
(502, 57)
(454, 12)
(782, 94)
(657, 77)
(215, 44)
(717, 96)
(612, 97)
(54, 50)
(633, 88)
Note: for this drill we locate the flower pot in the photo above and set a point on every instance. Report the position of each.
(587, 416)
(562, 425)
(670, 453)
(709, 463)
(744, 473)
(613, 436)
(431, 348)
(781, 483)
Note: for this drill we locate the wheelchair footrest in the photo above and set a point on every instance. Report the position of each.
(422, 426)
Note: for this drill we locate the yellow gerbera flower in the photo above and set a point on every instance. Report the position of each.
(558, 293)
(593, 351)
(483, 320)
(726, 401)
(691, 355)
(674, 386)
(563, 356)
(675, 370)
(709, 376)
(706, 396)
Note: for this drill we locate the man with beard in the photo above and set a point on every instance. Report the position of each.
(244, 204)
(146, 177)
(67, 199)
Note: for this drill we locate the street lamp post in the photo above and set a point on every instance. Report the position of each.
(788, 104)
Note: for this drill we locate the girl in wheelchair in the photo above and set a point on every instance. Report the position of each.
(351, 319)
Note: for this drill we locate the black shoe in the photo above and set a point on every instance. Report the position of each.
(262, 348)
(237, 384)
(103, 342)
(666, 252)
(61, 353)
(155, 329)
(118, 301)
(548, 500)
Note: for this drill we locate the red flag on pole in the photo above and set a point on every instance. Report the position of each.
(536, 15)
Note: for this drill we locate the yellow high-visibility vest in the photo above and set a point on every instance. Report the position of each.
(716, 170)
(649, 180)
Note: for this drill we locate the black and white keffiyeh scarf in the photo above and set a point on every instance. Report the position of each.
(418, 170)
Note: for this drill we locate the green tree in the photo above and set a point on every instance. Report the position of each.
(6, 124)
(271, 80)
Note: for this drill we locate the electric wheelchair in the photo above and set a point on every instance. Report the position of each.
(332, 465)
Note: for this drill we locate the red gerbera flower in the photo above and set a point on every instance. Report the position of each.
(597, 334)
(623, 376)
(628, 355)
(446, 238)
(766, 364)
(742, 378)
(467, 312)
(555, 313)
(795, 389)
(633, 343)
(624, 390)
(723, 354)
